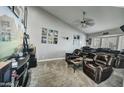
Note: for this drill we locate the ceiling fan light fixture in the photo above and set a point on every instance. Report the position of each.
(84, 25)
(86, 22)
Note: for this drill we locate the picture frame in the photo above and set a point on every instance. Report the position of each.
(55, 40)
(49, 36)
(44, 35)
(44, 40)
(55, 33)
(44, 31)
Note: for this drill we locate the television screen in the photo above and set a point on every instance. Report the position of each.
(11, 33)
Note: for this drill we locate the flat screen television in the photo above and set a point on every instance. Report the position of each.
(11, 34)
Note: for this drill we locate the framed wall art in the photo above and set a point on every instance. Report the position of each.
(49, 36)
(44, 31)
(55, 40)
(44, 40)
(44, 35)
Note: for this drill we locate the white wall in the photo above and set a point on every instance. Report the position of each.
(113, 31)
(38, 18)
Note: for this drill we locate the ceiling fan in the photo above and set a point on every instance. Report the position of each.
(86, 22)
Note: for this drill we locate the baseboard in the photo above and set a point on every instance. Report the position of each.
(52, 59)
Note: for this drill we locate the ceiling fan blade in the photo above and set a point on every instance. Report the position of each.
(90, 24)
(76, 22)
(88, 19)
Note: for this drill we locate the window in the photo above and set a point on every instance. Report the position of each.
(104, 42)
(95, 42)
(109, 42)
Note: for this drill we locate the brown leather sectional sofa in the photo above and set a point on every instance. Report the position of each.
(98, 63)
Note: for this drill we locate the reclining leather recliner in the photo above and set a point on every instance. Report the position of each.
(99, 69)
(70, 56)
(119, 63)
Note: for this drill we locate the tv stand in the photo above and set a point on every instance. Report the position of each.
(21, 71)
(18, 76)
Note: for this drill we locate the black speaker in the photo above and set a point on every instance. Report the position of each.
(122, 28)
(32, 62)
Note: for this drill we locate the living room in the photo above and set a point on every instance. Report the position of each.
(103, 32)
(67, 46)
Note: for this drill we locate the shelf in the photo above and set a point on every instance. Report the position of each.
(23, 62)
(21, 74)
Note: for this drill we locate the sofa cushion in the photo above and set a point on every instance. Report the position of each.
(103, 59)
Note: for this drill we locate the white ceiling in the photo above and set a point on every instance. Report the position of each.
(105, 17)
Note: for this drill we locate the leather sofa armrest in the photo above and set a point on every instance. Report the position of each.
(70, 56)
(88, 62)
(104, 68)
(67, 56)
(105, 72)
